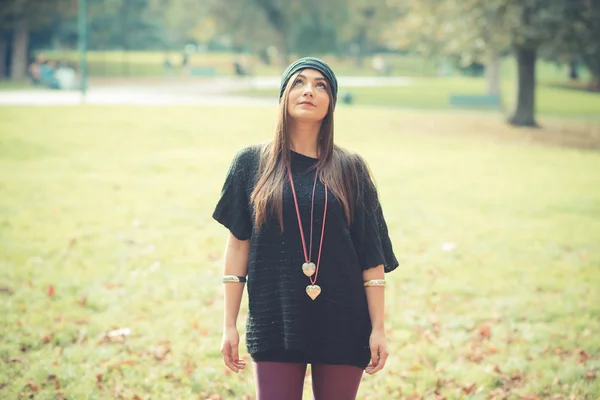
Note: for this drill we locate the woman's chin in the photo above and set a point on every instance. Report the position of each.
(306, 116)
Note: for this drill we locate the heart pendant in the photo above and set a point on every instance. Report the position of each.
(313, 291)
(308, 268)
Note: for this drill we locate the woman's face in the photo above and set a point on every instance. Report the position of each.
(308, 98)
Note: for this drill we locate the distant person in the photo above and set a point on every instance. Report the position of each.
(238, 67)
(308, 235)
(66, 76)
(48, 75)
(35, 68)
(185, 61)
(168, 66)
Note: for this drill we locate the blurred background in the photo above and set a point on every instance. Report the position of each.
(425, 54)
(480, 120)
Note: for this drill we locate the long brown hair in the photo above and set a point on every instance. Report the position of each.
(337, 167)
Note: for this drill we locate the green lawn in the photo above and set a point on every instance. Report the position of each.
(8, 85)
(434, 93)
(105, 216)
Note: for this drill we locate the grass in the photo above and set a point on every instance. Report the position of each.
(105, 224)
(9, 85)
(434, 93)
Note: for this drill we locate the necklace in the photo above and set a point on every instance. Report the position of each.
(309, 268)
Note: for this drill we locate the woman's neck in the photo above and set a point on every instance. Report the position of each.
(304, 137)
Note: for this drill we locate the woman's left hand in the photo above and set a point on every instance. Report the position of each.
(379, 352)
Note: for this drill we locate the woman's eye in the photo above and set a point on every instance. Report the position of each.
(321, 85)
(298, 81)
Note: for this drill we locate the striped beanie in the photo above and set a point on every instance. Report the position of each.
(310, 63)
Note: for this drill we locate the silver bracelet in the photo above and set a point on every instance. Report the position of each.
(374, 282)
(233, 278)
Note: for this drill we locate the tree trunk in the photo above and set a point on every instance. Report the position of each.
(573, 71)
(492, 73)
(524, 114)
(3, 48)
(19, 51)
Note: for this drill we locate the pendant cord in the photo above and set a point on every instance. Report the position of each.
(311, 222)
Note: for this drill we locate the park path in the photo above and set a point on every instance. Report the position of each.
(201, 91)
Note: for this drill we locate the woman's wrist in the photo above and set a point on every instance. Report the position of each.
(230, 325)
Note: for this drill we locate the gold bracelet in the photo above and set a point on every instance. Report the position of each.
(233, 278)
(374, 282)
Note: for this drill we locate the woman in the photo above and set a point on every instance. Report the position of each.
(308, 233)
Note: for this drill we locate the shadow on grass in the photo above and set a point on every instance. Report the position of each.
(579, 86)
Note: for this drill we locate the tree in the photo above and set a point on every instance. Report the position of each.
(22, 17)
(304, 27)
(578, 40)
(471, 31)
(470, 27)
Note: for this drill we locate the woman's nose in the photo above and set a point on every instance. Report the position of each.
(308, 90)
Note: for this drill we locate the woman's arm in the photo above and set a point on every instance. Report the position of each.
(236, 263)
(376, 303)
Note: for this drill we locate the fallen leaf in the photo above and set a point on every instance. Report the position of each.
(6, 289)
(469, 389)
(493, 350)
(583, 357)
(112, 285)
(82, 301)
(188, 366)
(485, 331)
(32, 386)
(56, 381)
(50, 290)
(590, 375)
(99, 381)
(161, 352)
(47, 338)
(119, 332)
(81, 337)
(530, 396)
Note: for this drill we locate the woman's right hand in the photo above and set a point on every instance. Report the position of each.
(229, 349)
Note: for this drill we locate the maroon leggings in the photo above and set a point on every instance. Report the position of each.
(280, 380)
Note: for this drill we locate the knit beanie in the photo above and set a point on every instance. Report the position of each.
(310, 63)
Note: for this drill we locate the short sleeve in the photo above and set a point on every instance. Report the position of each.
(233, 208)
(369, 229)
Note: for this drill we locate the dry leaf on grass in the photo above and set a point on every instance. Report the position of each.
(583, 356)
(161, 352)
(485, 331)
(6, 289)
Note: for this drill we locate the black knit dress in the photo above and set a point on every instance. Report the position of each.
(284, 324)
